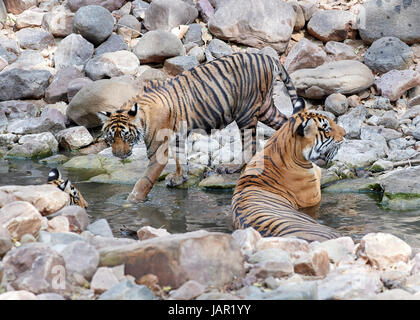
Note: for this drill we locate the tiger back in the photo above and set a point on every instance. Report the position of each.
(210, 96)
(281, 182)
(76, 198)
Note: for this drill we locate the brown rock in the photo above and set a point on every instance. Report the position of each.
(148, 232)
(77, 217)
(315, 263)
(5, 242)
(305, 54)
(178, 258)
(19, 218)
(45, 198)
(103, 279)
(18, 6)
(382, 250)
(58, 224)
(395, 83)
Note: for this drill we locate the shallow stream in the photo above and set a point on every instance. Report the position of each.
(177, 210)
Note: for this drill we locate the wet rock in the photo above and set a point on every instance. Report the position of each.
(352, 121)
(111, 5)
(401, 189)
(246, 239)
(219, 48)
(57, 90)
(254, 24)
(340, 51)
(388, 53)
(188, 291)
(73, 50)
(45, 198)
(331, 25)
(395, 83)
(127, 290)
(349, 286)
(34, 267)
(219, 181)
(18, 295)
(129, 27)
(74, 138)
(103, 280)
(360, 153)
(94, 23)
(23, 84)
(30, 18)
(393, 18)
(305, 54)
(58, 21)
(5, 241)
(114, 43)
(18, 6)
(382, 250)
(148, 232)
(158, 45)
(101, 228)
(315, 263)
(178, 258)
(77, 217)
(345, 76)
(381, 165)
(337, 104)
(179, 64)
(34, 38)
(34, 146)
(80, 257)
(101, 95)
(166, 15)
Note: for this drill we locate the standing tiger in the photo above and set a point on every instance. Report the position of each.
(281, 182)
(76, 198)
(237, 88)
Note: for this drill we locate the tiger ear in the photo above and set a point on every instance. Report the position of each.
(133, 111)
(306, 129)
(54, 174)
(104, 115)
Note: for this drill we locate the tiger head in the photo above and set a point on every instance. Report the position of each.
(120, 131)
(319, 137)
(76, 198)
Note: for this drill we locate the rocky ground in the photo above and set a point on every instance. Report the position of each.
(62, 61)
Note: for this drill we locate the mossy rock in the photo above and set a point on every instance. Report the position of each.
(354, 186)
(56, 159)
(401, 201)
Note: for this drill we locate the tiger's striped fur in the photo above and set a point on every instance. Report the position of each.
(237, 88)
(76, 198)
(281, 182)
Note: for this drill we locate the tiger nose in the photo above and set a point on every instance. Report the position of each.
(122, 155)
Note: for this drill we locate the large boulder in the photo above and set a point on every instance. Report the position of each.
(57, 90)
(255, 23)
(177, 258)
(45, 198)
(101, 95)
(23, 84)
(94, 23)
(112, 64)
(392, 18)
(388, 53)
(395, 83)
(344, 76)
(73, 50)
(163, 14)
(158, 45)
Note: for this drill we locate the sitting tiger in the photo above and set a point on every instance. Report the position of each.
(281, 181)
(237, 88)
(76, 198)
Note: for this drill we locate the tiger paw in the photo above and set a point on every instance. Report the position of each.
(229, 168)
(173, 180)
(133, 198)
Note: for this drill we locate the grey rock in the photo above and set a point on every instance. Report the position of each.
(205, 9)
(304, 54)
(198, 53)
(382, 103)
(17, 109)
(395, 83)
(74, 138)
(399, 155)
(389, 120)
(58, 238)
(194, 34)
(100, 228)
(30, 18)
(29, 60)
(127, 290)
(255, 24)
(57, 90)
(360, 153)
(23, 84)
(331, 25)
(162, 14)
(294, 291)
(388, 53)
(73, 50)
(111, 5)
(50, 120)
(50, 296)
(157, 45)
(75, 85)
(94, 23)
(352, 121)
(34, 38)
(372, 133)
(129, 27)
(114, 43)
(8, 56)
(219, 48)
(139, 8)
(340, 51)
(179, 64)
(394, 18)
(188, 291)
(337, 104)
(81, 257)
(58, 21)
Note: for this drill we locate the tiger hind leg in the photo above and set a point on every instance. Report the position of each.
(180, 176)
